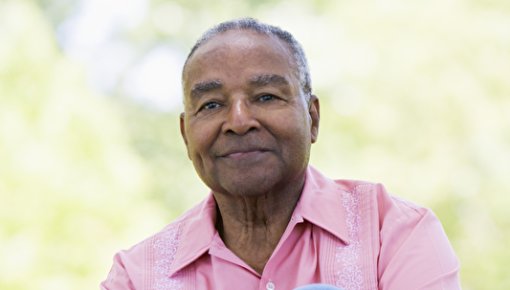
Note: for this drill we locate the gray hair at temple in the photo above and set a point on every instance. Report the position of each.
(257, 26)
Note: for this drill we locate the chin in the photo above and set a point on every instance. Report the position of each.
(249, 185)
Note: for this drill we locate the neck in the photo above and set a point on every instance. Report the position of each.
(251, 226)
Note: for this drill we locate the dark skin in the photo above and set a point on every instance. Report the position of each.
(252, 228)
(248, 130)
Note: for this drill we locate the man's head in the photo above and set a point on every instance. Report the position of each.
(247, 125)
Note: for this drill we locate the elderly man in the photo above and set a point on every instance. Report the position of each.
(271, 221)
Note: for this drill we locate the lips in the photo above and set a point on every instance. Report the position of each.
(242, 152)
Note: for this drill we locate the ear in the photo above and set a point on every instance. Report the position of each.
(314, 111)
(183, 131)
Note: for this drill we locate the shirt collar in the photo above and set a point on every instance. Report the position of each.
(320, 204)
(197, 234)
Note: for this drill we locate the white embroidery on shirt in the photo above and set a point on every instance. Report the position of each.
(165, 247)
(348, 270)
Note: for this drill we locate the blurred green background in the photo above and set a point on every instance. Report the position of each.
(414, 94)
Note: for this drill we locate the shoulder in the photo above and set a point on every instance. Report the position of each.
(369, 203)
(411, 246)
(165, 240)
(375, 198)
(389, 221)
(157, 252)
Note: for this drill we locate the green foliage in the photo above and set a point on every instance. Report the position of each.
(414, 94)
(68, 177)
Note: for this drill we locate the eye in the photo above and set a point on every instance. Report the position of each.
(210, 106)
(266, 98)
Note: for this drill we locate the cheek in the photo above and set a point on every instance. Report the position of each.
(198, 144)
(200, 138)
(296, 133)
(293, 139)
(294, 126)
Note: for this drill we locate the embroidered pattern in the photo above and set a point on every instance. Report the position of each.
(165, 247)
(348, 270)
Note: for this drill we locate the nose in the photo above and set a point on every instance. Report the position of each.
(240, 119)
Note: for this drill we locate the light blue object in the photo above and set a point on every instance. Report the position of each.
(317, 287)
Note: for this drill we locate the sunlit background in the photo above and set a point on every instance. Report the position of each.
(414, 94)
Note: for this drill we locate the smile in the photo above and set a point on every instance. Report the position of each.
(244, 154)
(250, 155)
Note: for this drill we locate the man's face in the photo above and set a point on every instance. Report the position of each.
(247, 127)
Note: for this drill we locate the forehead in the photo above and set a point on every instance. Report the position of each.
(239, 51)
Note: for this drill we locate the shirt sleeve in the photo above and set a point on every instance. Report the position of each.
(415, 252)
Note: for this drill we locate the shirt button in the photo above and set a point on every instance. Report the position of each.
(270, 286)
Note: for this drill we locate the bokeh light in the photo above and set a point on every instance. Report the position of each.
(414, 94)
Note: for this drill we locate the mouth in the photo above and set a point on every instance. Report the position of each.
(244, 154)
(240, 154)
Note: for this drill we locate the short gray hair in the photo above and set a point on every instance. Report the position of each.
(257, 26)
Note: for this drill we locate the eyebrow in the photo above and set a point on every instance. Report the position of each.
(268, 79)
(204, 87)
(259, 81)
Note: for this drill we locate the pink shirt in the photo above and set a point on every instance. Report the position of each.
(345, 233)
